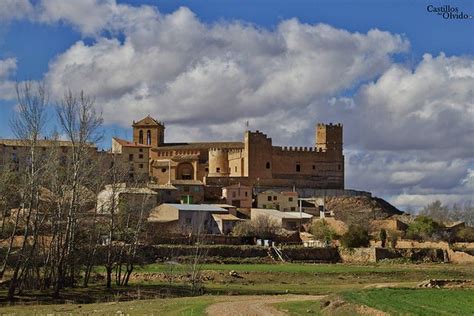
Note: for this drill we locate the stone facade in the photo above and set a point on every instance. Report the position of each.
(238, 195)
(133, 157)
(282, 201)
(254, 162)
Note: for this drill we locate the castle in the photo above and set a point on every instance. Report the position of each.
(254, 161)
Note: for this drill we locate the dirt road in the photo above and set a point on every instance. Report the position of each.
(254, 305)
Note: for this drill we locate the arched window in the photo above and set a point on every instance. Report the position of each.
(148, 137)
(267, 165)
(140, 137)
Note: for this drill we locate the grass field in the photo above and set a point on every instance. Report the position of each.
(416, 301)
(361, 284)
(311, 278)
(174, 306)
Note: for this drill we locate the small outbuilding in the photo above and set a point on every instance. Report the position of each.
(287, 220)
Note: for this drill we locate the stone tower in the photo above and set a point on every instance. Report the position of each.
(218, 162)
(329, 137)
(149, 131)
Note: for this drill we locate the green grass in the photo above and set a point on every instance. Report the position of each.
(175, 306)
(339, 279)
(310, 268)
(311, 278)
(416, 301)
(299, 307)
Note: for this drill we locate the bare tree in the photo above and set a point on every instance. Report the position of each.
(81, 125)
(28, 125)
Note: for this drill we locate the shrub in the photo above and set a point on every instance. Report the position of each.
(323, 231)
(465, 234)
(262, 227)
(243, 229)
(422, 228)
(356, 236)
(383, 237)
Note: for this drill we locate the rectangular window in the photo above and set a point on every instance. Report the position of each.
(246, 194)
(140, 166)
(275, 198)
(269, 198)
(140, 156)
(290, 199)
(339, 167)
(234, 194)
(140, 150)
(218, 170)
(235, 168)
(314, 167)
(298, 167)
(293, 209)
(130, 157)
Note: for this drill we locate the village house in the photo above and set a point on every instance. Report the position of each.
(238, 195)
(287, 220)
(133, 157)
(192, 218)
(282, 201)
(121, 198)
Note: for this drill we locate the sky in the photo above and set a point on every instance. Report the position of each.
(397, 74)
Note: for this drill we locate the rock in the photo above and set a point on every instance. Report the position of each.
(234, 274)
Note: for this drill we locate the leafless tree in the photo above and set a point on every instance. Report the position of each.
(80, 124)
(28, 125)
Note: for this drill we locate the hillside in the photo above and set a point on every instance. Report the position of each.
(360, 209)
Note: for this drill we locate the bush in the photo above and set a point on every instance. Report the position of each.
(244, 229)
(465, 234)
(355, 237)
(261, 227)
(383, 237)
(422, 228)
(323, 231)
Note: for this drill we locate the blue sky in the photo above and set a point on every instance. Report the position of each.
(394, 90)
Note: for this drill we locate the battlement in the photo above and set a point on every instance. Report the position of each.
(330, 125)
(218, 149)
(172, 153)
(291, 149)
(257, 134)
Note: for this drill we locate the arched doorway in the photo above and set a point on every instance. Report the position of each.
(185, 171)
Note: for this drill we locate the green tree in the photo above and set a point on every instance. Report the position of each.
(383, 237)
(323, 231)
(422, 228)
(356, 236)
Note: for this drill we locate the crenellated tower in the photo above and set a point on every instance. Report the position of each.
(329, 137)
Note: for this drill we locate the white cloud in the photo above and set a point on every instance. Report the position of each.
(91, 17)
(7, 87)
(14, 9)
(181, 70)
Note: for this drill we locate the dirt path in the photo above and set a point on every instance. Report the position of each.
(254, 305)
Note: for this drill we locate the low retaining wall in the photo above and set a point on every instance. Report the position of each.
(375, 254)
(312, 254)
(168, 252)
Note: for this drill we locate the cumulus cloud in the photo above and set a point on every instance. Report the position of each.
(183, 70)
(15, 9)
(408, 130)
(92, 17)
(7, 87)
